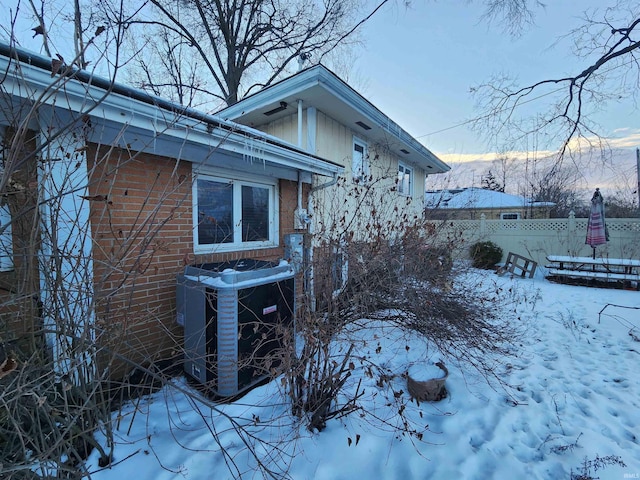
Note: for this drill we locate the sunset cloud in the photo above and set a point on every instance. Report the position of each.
(623, 138)
(608, 163)
(490, 157)
(631, 139)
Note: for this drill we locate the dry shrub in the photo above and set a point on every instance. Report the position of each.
(315, 377)
(47, 421)
(463, 324)
(407, 282)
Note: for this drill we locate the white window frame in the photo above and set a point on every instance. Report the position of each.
(403, 169)
(237, 182)
(360, 168)
(504, 215)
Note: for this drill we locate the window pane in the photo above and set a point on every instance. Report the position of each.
(407, 181)
(255, 214)
(359, 167)
(404, 180)
(215, 212)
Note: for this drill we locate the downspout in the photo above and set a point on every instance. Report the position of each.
(331, 182)
(308, 220)
(300, 123)
(299, 208)
(301, 215)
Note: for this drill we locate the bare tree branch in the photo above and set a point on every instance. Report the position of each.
(514, 15)
(569, 118)
(237, 39)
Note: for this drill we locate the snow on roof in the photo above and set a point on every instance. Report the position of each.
(477, 198)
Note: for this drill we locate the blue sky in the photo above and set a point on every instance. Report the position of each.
(419, 63)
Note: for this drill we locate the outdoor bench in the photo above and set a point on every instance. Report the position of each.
(604, 269)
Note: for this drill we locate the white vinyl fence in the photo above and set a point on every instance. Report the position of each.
(535, 239)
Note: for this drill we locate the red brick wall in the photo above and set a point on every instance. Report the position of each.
(143, 237)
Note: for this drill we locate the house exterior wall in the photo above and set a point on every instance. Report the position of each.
(285, 128)
(489, 213)
(357, 206)
(335, 141)
(349, 205)
(142, 227)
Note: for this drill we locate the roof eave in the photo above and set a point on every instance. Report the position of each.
(319, 75)
(107, 100)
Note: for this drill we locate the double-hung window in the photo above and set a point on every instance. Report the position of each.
(405, 180)
(359, 161)
(234, 214)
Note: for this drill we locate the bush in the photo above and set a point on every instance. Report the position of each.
(485, 254)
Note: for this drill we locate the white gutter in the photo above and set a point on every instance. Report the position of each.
(124, 105)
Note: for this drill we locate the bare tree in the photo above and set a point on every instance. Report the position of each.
(558, 185)
(609, 44)
(514, 15)
(622, 204)
(170, 71)
(505, 168)
(245, 45)
(220, 48)
(43, 13)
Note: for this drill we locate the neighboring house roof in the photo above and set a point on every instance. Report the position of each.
(321, 88)
(477, 198)
(137, 120)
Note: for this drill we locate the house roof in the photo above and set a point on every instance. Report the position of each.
(152, 123)
(477, 198)
(320, 87)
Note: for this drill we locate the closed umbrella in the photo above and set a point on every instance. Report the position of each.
(597, 233)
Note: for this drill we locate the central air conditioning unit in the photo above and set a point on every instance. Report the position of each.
(238, 320)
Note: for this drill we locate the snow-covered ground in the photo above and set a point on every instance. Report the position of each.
(575, 397)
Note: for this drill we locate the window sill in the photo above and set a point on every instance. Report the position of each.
(232, 247)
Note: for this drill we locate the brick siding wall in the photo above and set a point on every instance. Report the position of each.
(142, 229)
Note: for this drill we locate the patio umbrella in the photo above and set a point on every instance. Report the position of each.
(597, 233)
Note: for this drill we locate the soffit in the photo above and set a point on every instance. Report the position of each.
(320, 88)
